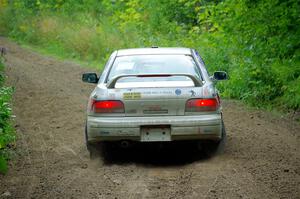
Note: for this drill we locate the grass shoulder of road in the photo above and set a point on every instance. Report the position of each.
(59, 54)
(7, 132)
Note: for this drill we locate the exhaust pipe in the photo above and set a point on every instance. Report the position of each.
(124, 144)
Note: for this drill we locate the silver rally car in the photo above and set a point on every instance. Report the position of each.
(154, 95)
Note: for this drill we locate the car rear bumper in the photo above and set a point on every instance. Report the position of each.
(176, 128)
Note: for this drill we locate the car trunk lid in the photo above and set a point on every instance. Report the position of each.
(155, 101)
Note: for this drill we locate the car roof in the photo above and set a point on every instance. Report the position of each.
(154, 51)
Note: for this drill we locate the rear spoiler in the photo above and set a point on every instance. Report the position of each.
(113, 81)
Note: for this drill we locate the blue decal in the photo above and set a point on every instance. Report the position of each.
(193, 93)
(104, 133)
(177, 91)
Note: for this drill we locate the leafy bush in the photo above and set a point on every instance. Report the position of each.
(6, 130)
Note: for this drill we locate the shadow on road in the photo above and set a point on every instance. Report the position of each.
(154, 154)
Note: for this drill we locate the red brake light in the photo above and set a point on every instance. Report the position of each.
(108, 106)
(198, 105)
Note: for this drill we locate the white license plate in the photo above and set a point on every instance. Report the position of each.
(155, 133)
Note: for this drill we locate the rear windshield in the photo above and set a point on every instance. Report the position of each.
(154, 64)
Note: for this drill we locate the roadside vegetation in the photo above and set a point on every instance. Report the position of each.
(256, 42)
(7, 133)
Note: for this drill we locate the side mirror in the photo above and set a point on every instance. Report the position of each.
(220, 75)
(90, 78)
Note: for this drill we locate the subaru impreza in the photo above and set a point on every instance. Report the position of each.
(154, 95)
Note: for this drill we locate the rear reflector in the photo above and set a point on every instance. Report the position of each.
(198, 105)
(109, 106)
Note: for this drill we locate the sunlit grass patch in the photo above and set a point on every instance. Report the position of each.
(7, 133)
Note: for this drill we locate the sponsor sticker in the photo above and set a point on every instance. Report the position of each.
(104, 132)
(178, 92)
(157, 92)
(193, 93)
(132, 96)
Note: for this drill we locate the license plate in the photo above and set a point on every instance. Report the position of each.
(155, 133)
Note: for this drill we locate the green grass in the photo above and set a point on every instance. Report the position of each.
(53, 52)
(7, 133)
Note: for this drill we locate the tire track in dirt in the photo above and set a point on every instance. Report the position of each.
(261, 159)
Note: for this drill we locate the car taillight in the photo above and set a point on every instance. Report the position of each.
(107, 106)
(198, 105)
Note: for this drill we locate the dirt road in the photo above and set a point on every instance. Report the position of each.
(261, 160)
